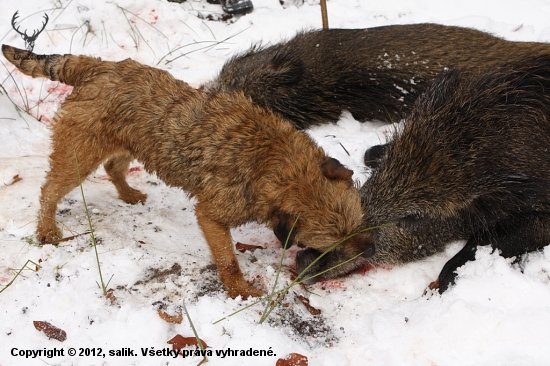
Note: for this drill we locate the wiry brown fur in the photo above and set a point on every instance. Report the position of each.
(242, 162)
(471, 163)
(374, 73)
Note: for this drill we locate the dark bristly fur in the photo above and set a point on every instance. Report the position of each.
(242, 162)
(471, 163)
(374, 73)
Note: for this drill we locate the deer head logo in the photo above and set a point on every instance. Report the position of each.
(29, 40)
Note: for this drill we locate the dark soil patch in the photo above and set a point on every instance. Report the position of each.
(157, 275)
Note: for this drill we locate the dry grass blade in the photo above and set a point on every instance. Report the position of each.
(298, 280)
(144, 21)
(103, 285)
(202, 48)
(72, 37)
(25, 101)
(67, 238)
(202, 345)
(19, 272)
(270, 306)
(136, 32)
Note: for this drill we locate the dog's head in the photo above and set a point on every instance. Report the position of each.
(329, 216)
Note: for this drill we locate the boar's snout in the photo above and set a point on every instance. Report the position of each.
(332, 264)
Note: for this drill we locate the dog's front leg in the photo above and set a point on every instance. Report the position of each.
(218, 238)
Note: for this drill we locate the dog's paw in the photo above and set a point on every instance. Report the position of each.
(133, 196)
(49, 235)
(244, 291)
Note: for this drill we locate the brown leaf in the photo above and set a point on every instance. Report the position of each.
(179, 341)
(111, 296)
(174, 319)
(293, 359)
(50, 330)
(16, 178)
(244, 247)
(305, 301)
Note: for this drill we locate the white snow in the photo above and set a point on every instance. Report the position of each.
(497, 314)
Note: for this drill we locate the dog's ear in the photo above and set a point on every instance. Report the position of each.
(285, 68)
(282, 229)
(333, 169)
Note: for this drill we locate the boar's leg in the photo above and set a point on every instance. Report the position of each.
(526, 233)
(513, 237)
(447, 276)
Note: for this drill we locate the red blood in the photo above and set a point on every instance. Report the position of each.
(135, 169)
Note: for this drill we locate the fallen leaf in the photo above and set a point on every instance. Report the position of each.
(293, 359)
(111, 296)
(174, 319)
(50, 330)
(305, 301)
(16, 178)
(179, 341)
(244, 247)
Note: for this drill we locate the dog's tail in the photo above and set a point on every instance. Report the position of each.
(68, 69)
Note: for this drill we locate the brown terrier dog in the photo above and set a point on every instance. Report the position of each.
(242, 162)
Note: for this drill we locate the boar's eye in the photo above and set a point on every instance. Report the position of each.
(409, 221)
(369, 251)
(235, 82)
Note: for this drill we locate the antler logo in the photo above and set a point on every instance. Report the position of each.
(29, 40)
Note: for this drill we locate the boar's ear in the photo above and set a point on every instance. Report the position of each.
(333, 169)
(282, 229)
(285, 68)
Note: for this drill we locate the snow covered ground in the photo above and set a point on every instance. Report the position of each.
(154, 254)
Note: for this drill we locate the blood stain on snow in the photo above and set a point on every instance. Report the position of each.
(153, 16)
(333, 284)
(135, 169)
(364, 269)
(57, 93)
(368, 267)
(132, 170)
(60, 91)
(341, 284)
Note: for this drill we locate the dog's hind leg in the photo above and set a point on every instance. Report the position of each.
(63, 176)
(218, 238)
(117, 167)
